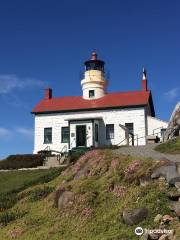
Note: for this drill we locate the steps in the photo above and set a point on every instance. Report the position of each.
(55, 160)
(51, 161)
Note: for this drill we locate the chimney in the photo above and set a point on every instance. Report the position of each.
(144, 81)
(48, 93)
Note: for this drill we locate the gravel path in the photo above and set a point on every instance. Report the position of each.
(148, 151)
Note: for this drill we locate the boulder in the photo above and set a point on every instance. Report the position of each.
(175, 206)
(173, 128)
(169, 172)
(173, 194)
(135, 216)
(65, 198)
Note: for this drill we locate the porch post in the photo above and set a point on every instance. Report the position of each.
(69, 135)
(93, 140)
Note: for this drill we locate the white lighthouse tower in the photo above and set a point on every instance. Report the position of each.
(94, 83)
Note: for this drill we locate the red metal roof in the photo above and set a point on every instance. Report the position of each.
(119, 99)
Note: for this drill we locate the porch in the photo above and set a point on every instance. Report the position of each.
(84, 132)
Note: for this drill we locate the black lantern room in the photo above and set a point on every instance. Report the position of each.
(94, 63)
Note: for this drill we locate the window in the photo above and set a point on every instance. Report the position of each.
(91, 93)
(65, 134)
(109, 131)
(47, 135)
(96, 132)
(130, 126)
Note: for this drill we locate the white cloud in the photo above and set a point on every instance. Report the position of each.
(27, 132)
(9, 82)
(20, 131)
(172, 93)
(4, 132)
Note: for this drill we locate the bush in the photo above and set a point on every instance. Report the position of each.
(22, 161)
(10, 216)
(111, 147)
(76, 153)
(40, 193)
(7, 200)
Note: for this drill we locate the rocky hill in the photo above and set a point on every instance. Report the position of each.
(103, 196)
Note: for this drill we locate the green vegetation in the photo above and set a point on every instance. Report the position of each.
(103, 185)
(171, 146)
(13, 182)
(76, 153)
(22, 161)
(8, 216)
(40, 193)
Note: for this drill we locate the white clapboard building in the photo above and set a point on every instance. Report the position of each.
(96, 118)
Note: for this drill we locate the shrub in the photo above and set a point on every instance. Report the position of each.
(22, 161)
(7, 200)
(9, 216)
(76, 153)
(112, 147)
(40, 193)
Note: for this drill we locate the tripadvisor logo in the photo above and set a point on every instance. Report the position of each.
(139, 231)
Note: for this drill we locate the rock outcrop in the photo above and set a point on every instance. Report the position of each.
(65, 198)
(173, 128)
(136, 216)
(169, 172)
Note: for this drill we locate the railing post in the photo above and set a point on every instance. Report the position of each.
(137, 140)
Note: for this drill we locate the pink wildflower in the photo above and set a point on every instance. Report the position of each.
(133, 167)
(119, 191)
(88, 155)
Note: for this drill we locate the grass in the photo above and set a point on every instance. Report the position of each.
(96, 211)
(18, 180)
(13, 182)
(171, 146)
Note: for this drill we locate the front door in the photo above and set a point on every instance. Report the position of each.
(80, 135)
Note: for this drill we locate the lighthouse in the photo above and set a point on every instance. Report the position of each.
(94, 84)
(97, 117)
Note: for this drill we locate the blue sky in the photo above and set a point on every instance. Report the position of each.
(45, 42)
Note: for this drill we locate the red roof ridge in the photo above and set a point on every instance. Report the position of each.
(110, 100)
(109, 93)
